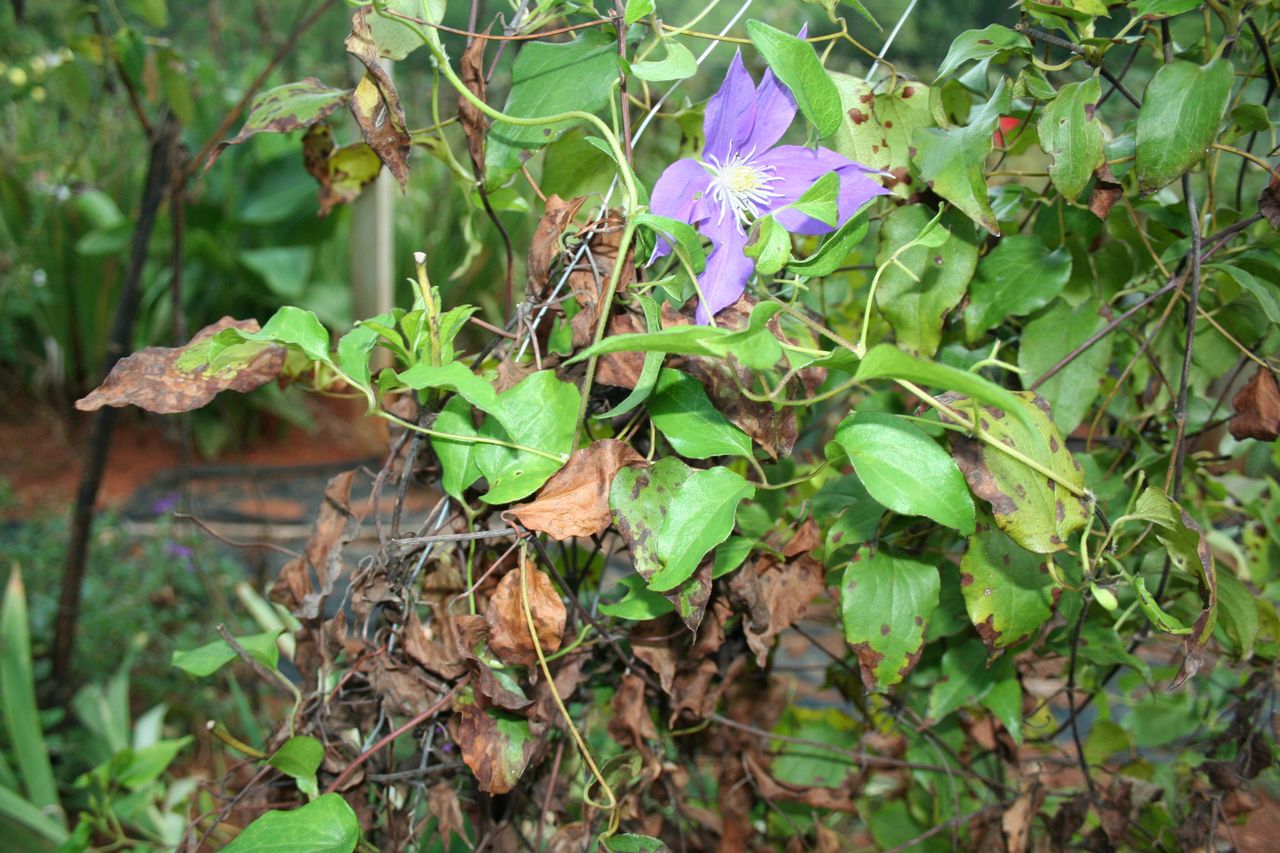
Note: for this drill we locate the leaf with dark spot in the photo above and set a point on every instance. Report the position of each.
(375, 104)
(284, 109)
(167, 380)
(882, 589)
(1007, 590)
(342, 173)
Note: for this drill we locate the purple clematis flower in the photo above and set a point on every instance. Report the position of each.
(743, 176)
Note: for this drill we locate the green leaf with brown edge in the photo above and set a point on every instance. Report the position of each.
(1008, 591)
(1036, 512)
(916, 300)
(952, 160)
(1189, 551)
(494, 743)
(885, 604)
(1181, 110)
(1018, 276)
(639, 498)
(905, 470)
(1072, 136)
(1049, 338)
(286, 108)
(877, 128)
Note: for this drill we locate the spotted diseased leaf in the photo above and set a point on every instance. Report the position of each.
(495, 744)
(886, 602)
(575, 501)
(951, 160)
(877, 128)
(1007, 589)
(342, 173)
(286, 108)
(375, 104)
(509, 637)
(1071, 135)
(993, 41)
(167, 380)
(1036, 512)
(639, 499)
(1189, 551)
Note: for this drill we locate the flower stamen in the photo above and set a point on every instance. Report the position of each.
(740, 186)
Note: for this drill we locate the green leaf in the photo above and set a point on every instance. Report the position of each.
(1179, 118)
(819, 201)
(639, 603)
(1036, 512)
(13, 807)
(1072, 136)
(699, 517)
(1261, 293)
(682, 412)
(1163, 8)
(208, 659)
(649, 370)
(299, 757)
(146, 765)
(17, 683)
(885, 603)
(966, 680)
(1005, 698)
(886, 361)
(952, 161)
(355, 346)
(994, 41)
(770, 247)
(627, 842)
(755, 346)
(540, 412)
(876, 128)
(678, 64)
(549, 78)
(918, 292)
(684, 239)
(637, 9)
(732, 554)
(905, 470)
(1019, 276)
(834, 249)
(1051, 337)
(395, 39)
(1238, 613)
(297, 328)
(285, 269)
(325, 825)
(454, 376)
(287, 108)
(457, 458)
(1007, 590)
(797, 66)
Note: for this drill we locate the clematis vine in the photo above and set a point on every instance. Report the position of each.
(744, 174)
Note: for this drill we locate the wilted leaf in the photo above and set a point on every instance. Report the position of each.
(1257, 409)
(155, 380)
(509, 629)
(474, 124)
(575, 501)
(333, 528)
(375, 104)
(1007, 590)
(495, 684)
(885, 603)
(1038, 513)
(495, 744)
(342, 173)
(439, 655)
(786, 589)
(546, 244)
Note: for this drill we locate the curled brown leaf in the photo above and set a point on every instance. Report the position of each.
(575, 501)
(509, 636)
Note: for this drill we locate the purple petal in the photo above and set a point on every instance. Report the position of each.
(728, 268)
(775, 110)
(675, 194)
(730, 112)
(799, 167)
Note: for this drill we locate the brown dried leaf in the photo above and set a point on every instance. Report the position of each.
(786, 590)
(440, 656)
(446, 808)
(1106, 192)
(650, 642)
(1017, 819)
(571, 838)
(1269, 202)
(334, 527)
(496, 760)
(509, 637)
(631, 725)
(342, 173)
(471, 66)
(473, 635)
(151, 379)
(575, 501)
(376, 103)
(1257, 409)
(545, 246)
(405, 691)
(622, 369)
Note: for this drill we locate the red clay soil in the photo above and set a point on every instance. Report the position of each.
(40, 455)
